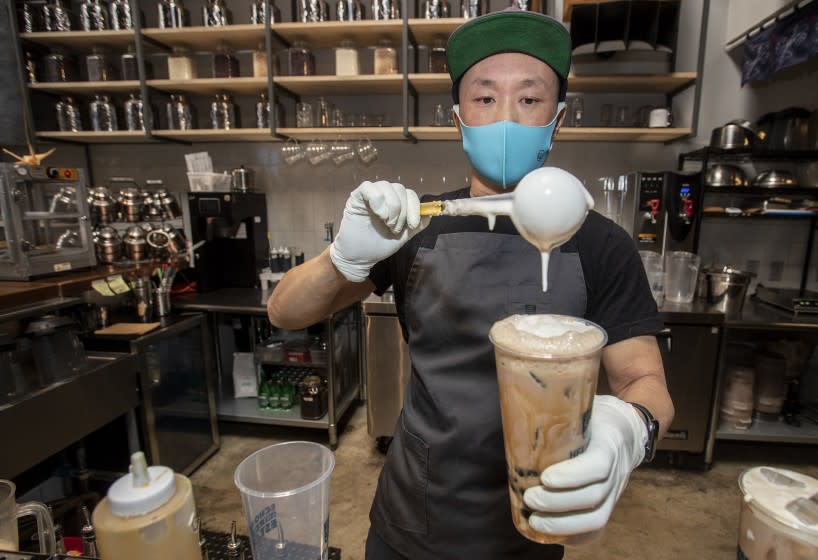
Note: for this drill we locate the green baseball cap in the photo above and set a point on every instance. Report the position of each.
(509, 30)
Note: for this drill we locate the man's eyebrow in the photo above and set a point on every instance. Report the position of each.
(483, 82)
(526, 82)
(532, 82)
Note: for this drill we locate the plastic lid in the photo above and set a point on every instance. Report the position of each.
(788, 497)
(142, 490)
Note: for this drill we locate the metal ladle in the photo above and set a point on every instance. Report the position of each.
(547, 207)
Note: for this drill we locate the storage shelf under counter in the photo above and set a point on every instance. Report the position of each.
(771, 432)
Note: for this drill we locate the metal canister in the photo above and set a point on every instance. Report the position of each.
(64, 201)
(103, 114)
(172, 14)
(436, 9)
(167, 202)
(472, 8)
(257, 13)
(176, 239)
(179, 114)
(244, 180)
(215, 14)
(55, 17)
(313, 10)
(121, 14)
(135, 243)
(135, 114)
(223, 112)
(385, 9)
(68, 115)
(93, 16)
(132, 204)
(102, 205)
(108, 244)
(349, 10)
(29, 18)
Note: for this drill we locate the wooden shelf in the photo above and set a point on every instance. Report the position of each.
(82, 40)
(431, 83)
(434, 132)
(373, 133)
(205, 39)
(328, 34)
(87, 88)
(648, 83)
(570, 134)
(115, 137)
(208, 135)
(212, 86)
(631, 83)
(369, 84)
(425, 31)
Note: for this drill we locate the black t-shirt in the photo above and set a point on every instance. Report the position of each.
(618, 294)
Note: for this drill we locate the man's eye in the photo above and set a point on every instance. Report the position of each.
(485, 100)
(530, 100)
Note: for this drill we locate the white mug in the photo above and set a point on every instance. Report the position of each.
(660, 118)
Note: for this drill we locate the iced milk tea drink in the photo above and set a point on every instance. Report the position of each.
(547, 369)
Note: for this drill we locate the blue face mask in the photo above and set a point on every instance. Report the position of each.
(505, 151)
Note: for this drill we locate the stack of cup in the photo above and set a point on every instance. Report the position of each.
(737, 403)
(655, 270)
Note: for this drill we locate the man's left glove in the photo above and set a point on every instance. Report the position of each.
(578, 495)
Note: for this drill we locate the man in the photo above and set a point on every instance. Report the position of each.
(443, 489)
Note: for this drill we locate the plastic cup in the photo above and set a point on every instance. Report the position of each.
(681, 274)
(546, 397)
(285, 491)
(655, 271)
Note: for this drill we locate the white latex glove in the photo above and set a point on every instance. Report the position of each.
(578, 495)
(378, 219)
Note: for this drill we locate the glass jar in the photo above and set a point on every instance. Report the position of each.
(323, 113)
(135, 114)
(257, 13)
(438, 63)
(260, 62)
(436, 9)
(103, 114)
(223, 113)
(301, 60)
(346, 59)
(121, 14)
(172, 14)
(180, 65)
(313, 10)
(224, 64)
(180, 116)
(303, 115)
(385, 58)
(215, 14)
(68, 115)
(263, 113)
(93, 16)
(349, 10)
(98, 68)
(385, 9)
(28, 19)
(56, 17)
(59, 68)
(129, 65)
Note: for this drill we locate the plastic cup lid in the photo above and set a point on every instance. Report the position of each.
(787, 496)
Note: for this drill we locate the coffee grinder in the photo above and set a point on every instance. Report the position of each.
(233, 229)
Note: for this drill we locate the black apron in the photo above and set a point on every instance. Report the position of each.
(443, 491)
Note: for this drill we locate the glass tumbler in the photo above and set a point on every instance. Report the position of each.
(681, 274)
(304, 115)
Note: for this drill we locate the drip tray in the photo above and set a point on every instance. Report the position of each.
(789, 299)
(216, 546)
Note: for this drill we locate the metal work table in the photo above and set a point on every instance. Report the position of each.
(342, 331)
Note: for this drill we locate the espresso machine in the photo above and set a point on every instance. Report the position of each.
(229, 234)
(666, 210)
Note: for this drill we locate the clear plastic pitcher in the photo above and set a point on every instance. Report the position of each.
(10, 510)
(285, 491)
(655, 270)
(681, 274)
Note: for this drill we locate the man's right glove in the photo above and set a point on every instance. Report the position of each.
(378, 219)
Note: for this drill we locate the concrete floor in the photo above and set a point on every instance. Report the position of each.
(665, 514)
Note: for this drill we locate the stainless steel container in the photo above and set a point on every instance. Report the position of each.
(135, 244)
(132, 204)
(103, 207)
(121, 15)
(724, 289)
(244, 180)
(93, 16)
(257, 14)
(215, 14)
(349, 10)
(167, 202)
(108, 244)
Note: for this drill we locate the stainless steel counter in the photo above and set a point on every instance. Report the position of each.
(241, 301)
